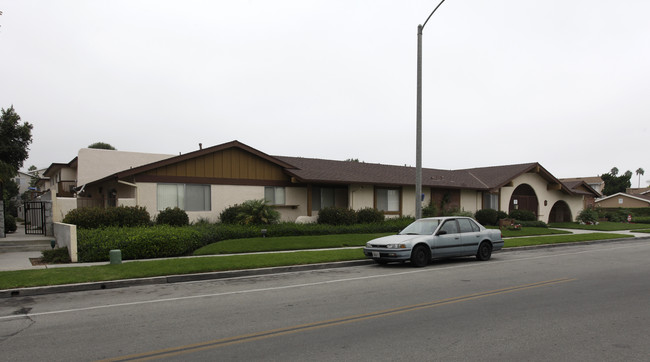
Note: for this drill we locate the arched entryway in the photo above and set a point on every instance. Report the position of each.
(524, 198)
(560, 212)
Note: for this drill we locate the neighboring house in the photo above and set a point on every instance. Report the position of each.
(596, 183)
(624, 200)
(638, 191)
(65, 181)
(207, 181)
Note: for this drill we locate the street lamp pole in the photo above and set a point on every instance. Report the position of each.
(418, 128)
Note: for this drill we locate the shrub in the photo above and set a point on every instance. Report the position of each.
(56, 256)
(429, 210)
(501, 215)
(641, 219)
(92, 218)
(257, 212)
(337, 216)
(523, 215)
(10, 223)
(536, 223)
(229, 215)
(486, 217)
(587, 216)
(461, 213)
(369, 215)
(173, 217)
(160, 241)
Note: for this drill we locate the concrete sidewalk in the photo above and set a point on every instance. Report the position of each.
(17, 248)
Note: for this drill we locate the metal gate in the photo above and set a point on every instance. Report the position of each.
(35, 218)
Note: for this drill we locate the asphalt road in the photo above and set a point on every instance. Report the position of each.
(588, 302)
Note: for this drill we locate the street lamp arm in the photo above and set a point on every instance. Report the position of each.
(430, 15)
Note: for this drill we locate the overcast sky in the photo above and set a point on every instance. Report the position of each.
(565, 83)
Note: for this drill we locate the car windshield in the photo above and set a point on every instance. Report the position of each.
(421, 227)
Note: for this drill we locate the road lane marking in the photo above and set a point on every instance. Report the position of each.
(217, 343)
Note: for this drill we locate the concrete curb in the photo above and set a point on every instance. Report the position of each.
(67, 288)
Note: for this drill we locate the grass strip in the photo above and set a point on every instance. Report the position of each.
(541, 240)
(152, 268)
(602, 226)
(287, 243)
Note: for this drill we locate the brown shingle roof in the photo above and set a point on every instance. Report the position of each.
(345, 172)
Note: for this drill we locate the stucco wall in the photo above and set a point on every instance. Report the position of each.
(613, 202)
(94, 164)
(62, 206)
(223, 196)
(470, 200)
(66, 236)
(546, 199)
(361, 196)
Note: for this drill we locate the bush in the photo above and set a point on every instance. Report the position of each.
(56, 256)
(641, 219)
(369, 215)
(587, 216)
(501, 215)
(429, 210)
(229, 215)
(159, 241)
(257, 212)
(523, 215)
(487, 217)
(173, 217)
(92, 218)
(337, 216)
(10, 223)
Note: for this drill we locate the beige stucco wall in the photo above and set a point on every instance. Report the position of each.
(361, 196)
(61, 206)
(613, 202)
(223, 196)
(94, 164)
(545, 198)
(470, 200)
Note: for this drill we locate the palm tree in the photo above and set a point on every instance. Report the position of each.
(640, 172)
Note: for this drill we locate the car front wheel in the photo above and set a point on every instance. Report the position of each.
(484, 251)
(420, 256)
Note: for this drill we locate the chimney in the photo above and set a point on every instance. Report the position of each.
(200, 146)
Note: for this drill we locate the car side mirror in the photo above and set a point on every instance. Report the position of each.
(442, 232)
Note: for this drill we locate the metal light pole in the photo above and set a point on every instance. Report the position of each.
(418, 128)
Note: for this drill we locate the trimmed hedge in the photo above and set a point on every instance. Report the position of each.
(337, 216)
(96, 217)
(523, 215)
(137, 242)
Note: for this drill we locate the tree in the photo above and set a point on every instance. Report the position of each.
(615, 184)
(15, 139)
(640, 173)
(102, 146)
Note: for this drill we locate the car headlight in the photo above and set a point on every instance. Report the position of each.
(396, 246)
(368, 245)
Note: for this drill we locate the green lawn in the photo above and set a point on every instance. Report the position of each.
(541, 240)
(530, 231)
(287, 243)
(603, 226)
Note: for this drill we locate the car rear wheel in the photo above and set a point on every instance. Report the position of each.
(484, 251)
(420, 256)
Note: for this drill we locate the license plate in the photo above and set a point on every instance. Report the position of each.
(375, 254)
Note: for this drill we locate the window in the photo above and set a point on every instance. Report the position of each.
(188, 197)
(274, 195)
(388, 200)
(620, 200)
(467, 226)
(490, 201)
(451, 227)
(322, 197)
